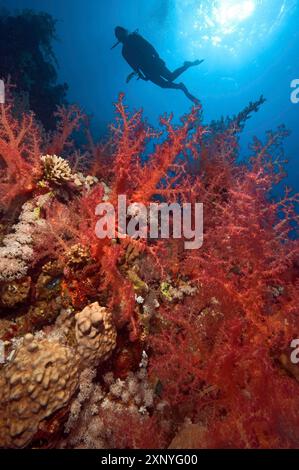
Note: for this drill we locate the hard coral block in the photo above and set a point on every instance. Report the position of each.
(40, 379)
(95, 333)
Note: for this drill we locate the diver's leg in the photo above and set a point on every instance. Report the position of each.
(176, 73)
(191, 97)
(161, 82)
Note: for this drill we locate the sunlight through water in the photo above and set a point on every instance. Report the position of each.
(230, 12)
(237, 27)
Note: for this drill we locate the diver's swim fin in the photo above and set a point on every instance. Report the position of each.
(194, 63)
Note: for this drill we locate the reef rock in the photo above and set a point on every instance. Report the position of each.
(40, 379)
(95, 333)
(15, 292)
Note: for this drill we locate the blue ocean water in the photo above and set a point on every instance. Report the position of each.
(250, 48)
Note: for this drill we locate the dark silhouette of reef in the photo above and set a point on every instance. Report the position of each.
(27, 57)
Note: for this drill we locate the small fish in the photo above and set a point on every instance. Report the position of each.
(53, 283)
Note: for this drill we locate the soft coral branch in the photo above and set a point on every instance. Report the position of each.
(69, 120)
(20, 143)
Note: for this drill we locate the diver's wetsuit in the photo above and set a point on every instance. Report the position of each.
(145, 60)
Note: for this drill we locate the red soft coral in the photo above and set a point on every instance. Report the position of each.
(227, 339)
(20, 151)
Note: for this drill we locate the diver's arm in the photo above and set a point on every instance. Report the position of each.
(135, 67)
(141, 76)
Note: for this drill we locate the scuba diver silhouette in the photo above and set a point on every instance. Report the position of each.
(147, 64)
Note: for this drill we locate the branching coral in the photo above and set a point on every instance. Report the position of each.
(160, 174)
(56, 169)
(23, 142)
(69, 120)
(221, 346)
(57, 172)
(20, 150)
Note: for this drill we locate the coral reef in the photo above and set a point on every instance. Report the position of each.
(20, 142)
(138, 342)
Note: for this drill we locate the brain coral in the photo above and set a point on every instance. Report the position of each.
(95, 333)
(40, 379)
